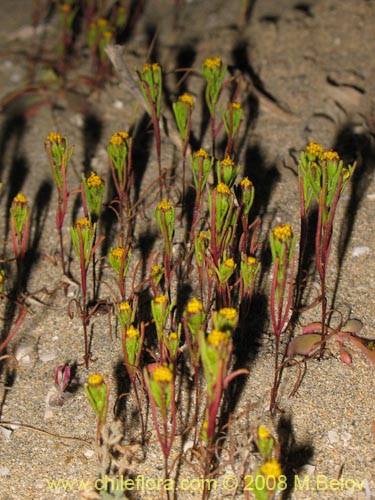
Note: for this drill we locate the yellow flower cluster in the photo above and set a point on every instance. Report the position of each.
(187, 98)
(283, 232)
(20, 198)
(236, 105)
(330, 156)
(118, 138)
(150, 67)
(227, 162)
(201, 153)
(162, 374)
(229, 263)
(164, 205)
(54, 137)
(124, 306)
(263, 433)
(251, 260)
(212, 63)
(222, 188)
(102, 22)
(117, 252)
(217, 337)
(83, 222)
(194, 306)
(95, 379)
(161, 299)
(132, 332)
(228, 313)
(271, 468)
(314, 149)
(173, 336)
(94, 181)
(246, 183)
(155, 269)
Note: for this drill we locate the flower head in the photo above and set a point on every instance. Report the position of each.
(187, 98)
(217, 338)
(314, 149)
(271, 468)
(54, 137)
(119, 138)
(95, 379)
(201, 153)
(330, 156)
(282, 232)
(194, 306)
(124, 306)
(213, 63)
(222, 188)
(94, 181)
(83, 222)
(164, 205)
(162, 374)
(246, 183)
(132, 332)
(20, 198)
(263, 433)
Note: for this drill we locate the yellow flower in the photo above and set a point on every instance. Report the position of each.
(124, 306)
(201, 153)
(118, 138)
(345, 174)
(173, 336)
(152, 67)
(108, 35)
(236, 105)
(246, 183)
(330, 156)
(162, 374)
(222, 188)
(212, 63)
(54, 137)
(251, 260)
(132, 332)
(263, 433)
(83, 222)
(272, 468)
(314, 149)
(283, 232)
(95, 379)
(216, 337)
(117, 253)
(164, 205)
(161, 299)
(102, 22)
(155, 269)
(203, 235)
(20, 198)
(94, 181)
(66, 8)
(194, 306)
(227, 162)
(229, 313)
(229, 263)
(187, 98)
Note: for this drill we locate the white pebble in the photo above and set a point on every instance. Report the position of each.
(47, 356)
(358, 251)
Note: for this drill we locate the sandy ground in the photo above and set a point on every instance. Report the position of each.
(309, 73)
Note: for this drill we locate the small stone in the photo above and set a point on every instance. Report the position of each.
(47, 356)
(360, 250)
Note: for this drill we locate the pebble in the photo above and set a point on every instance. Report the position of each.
(360, 250)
